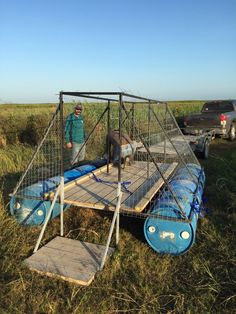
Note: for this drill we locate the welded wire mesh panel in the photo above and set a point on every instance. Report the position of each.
(161, 150)
(148, 173)
(182, 196)
(170, 137)
(43, 171)
(178, 195)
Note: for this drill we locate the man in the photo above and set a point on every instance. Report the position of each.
(75, 134)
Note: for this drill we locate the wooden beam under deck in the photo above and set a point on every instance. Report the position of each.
(88, 192)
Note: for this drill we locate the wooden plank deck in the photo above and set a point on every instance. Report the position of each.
(71, 260)
(88, 192)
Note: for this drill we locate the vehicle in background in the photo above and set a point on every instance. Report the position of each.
(219, 116)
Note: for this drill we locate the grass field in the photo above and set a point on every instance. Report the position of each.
(135, 279)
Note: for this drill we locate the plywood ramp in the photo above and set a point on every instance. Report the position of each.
(71, 260)
(99, 191)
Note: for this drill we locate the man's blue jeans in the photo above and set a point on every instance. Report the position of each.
(75, 157)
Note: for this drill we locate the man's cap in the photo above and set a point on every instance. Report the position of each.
(78, 107)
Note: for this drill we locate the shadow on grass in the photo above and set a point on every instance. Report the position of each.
(220, 189)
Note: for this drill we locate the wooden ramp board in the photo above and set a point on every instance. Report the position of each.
(71, 260)
(90, 193)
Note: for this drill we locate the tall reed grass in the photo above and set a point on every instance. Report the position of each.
(26, 123)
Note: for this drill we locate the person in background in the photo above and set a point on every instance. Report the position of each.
(75, 134)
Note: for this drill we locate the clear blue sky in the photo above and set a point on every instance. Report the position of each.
(164, 49)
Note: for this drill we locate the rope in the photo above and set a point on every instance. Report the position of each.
(200, 209)
(123, 183)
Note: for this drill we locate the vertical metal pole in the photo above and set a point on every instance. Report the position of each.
(120, 135)
(149, 119)
(132, 117)
(114, 219)
(108, 135)
(164, 135)
(118, 214)
(62, 207)
(119, 170)
(62, 167)
(47, 219)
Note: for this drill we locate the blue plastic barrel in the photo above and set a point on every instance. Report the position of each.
(29, 211)
(170, 232)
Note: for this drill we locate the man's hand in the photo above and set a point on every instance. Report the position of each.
(69, 145)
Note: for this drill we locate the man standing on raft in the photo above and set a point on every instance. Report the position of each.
(75, 134)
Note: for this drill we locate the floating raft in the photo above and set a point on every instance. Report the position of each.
(92, 187)
(71, 260)
(100, 191)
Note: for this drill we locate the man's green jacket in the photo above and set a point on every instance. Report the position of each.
(74, 129)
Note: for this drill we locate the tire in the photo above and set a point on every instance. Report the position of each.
(205, 153)
(232, 132)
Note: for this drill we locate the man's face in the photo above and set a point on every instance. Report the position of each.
(77, 112)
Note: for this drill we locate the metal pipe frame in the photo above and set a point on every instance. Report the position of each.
(47, 219)
(108, 132)
(121, 105)
(120, 136)
(61, 106)
(149, 120)
(165, 137)
(132, 122)
(114, 220)
(97, 95)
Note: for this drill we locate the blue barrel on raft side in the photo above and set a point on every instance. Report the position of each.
(29, 211)
(175, 235)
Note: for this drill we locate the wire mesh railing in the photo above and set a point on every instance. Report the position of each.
(42, 173)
